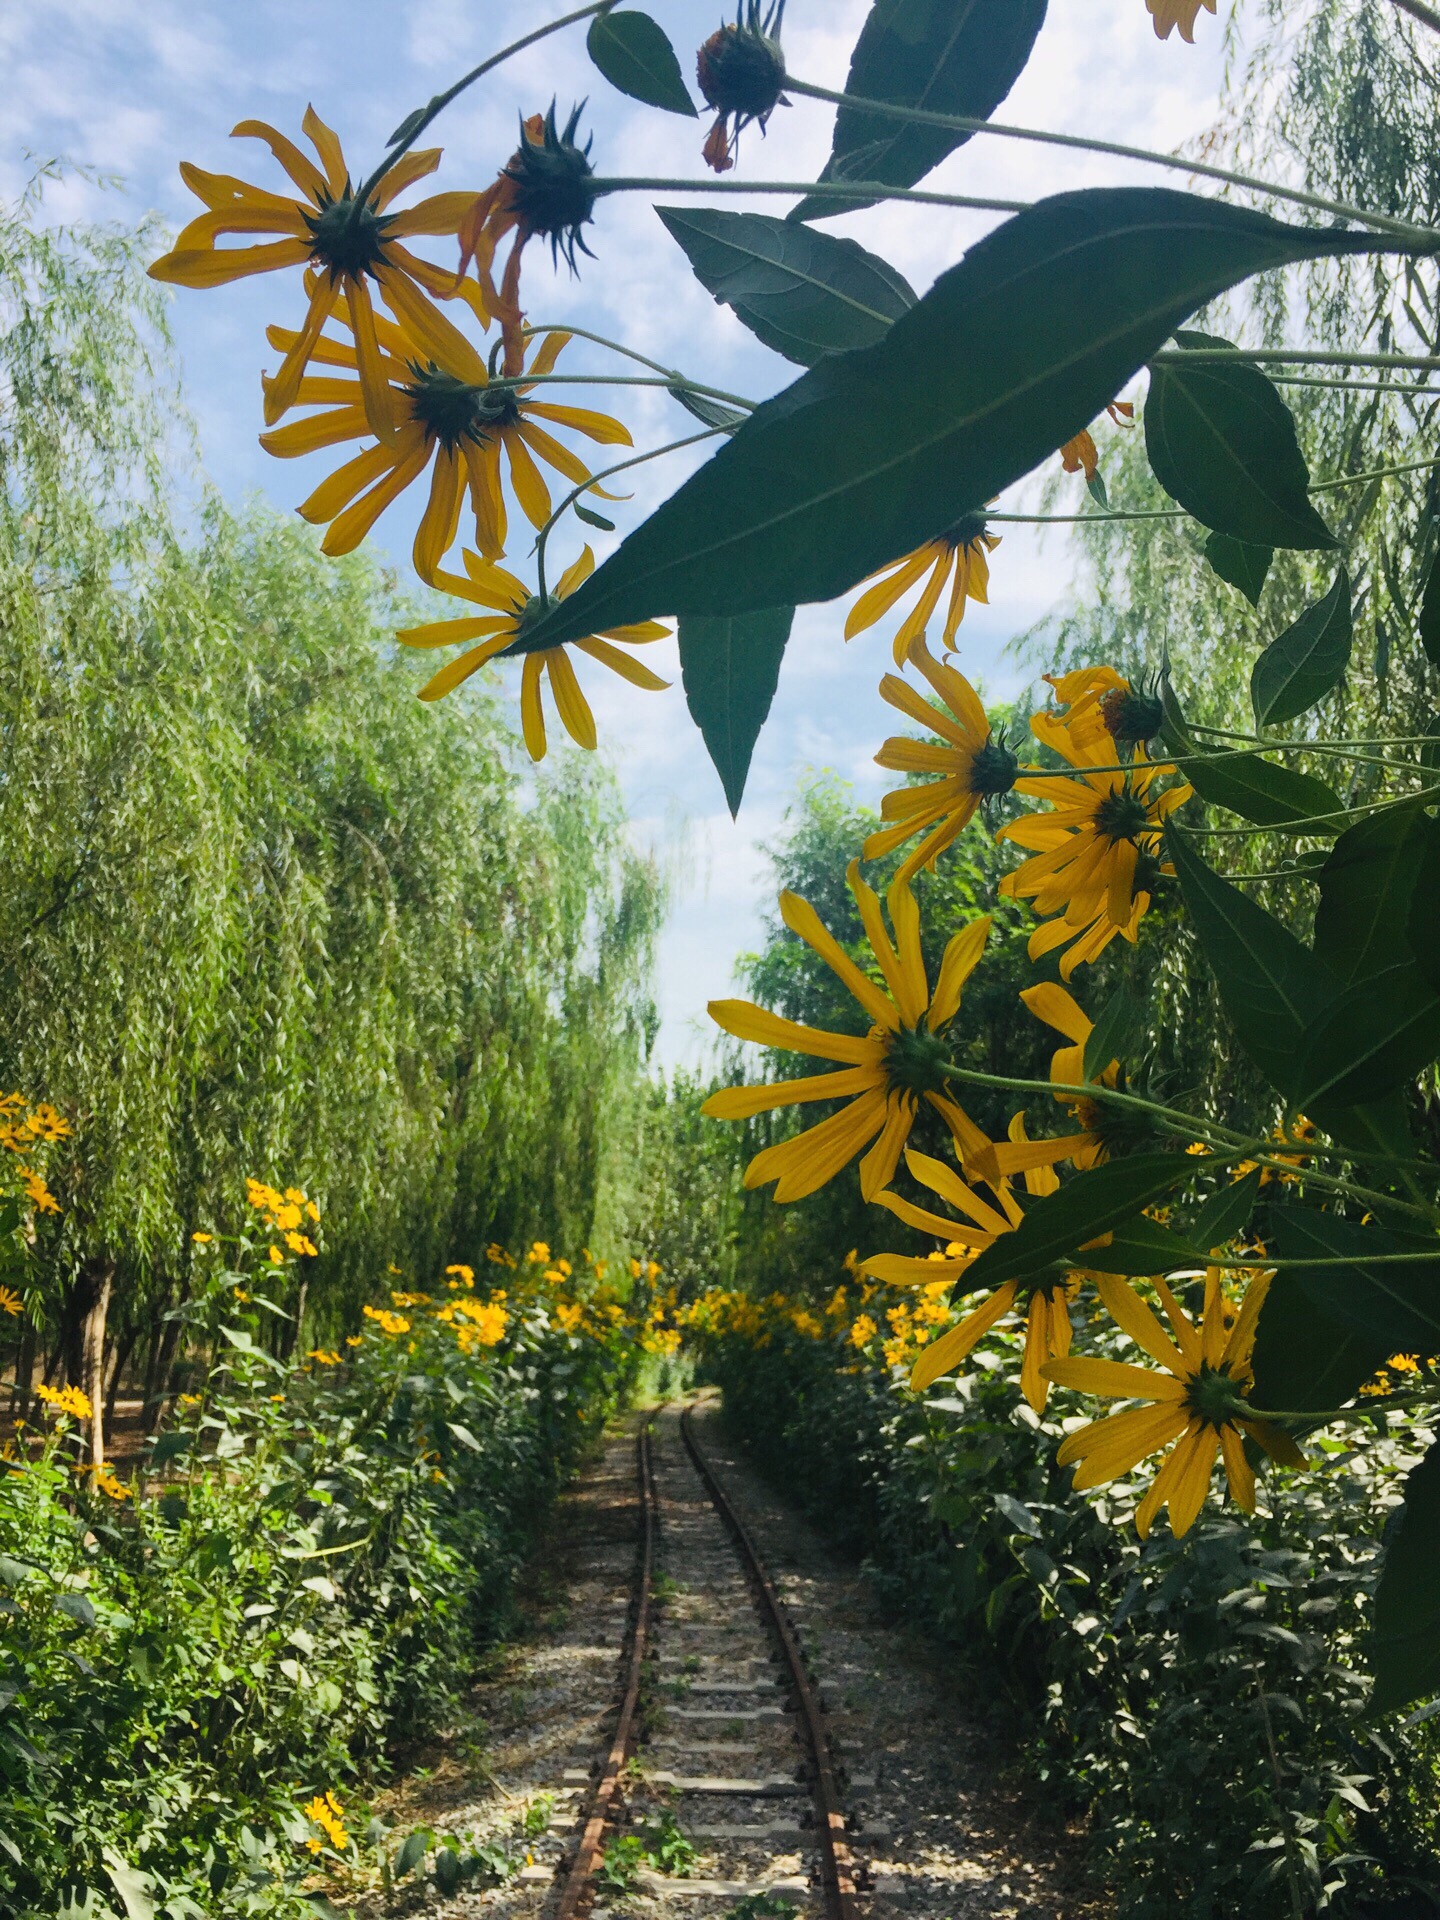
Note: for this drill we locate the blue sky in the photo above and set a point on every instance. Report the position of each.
(130, 87)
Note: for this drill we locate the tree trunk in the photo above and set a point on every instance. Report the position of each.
(99, 1274)
(120, 1359)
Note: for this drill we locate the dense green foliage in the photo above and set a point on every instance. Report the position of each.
(261, 909)
(302, 1576)
(1200, 1703)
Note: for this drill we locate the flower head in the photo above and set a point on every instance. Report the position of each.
(512, 610)
(1100, 705)
(10, 1301)
(960, 556)
(968, 764)
(1096, 854)
(884, 1075)
(543, 188)
(453, 420)
(67, 1400)
(1197, 1401)
(345, 243)
(1103, 1128)
(1042, 1299)
(741, 71)
(1169, 14)
(1080, 455)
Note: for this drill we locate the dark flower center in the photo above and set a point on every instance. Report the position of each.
(347, 236)
(1120, 1130)
(1148, 874)
(1120, 816)
(969, 528)
(993, 769)
(915, 1061)
(1211, 1394)
(741, 69)
(551, 190)
(1132, 717)
(452, 410)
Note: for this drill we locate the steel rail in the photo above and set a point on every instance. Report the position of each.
(837, 1866)
(633, 1654)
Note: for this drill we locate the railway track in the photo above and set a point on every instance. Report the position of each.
(721, 1735)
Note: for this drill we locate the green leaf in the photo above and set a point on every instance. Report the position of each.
(1394, 1308)
(1367, 885)
(713, 412)
(137, 1893)
(1227, 1210)
(1142, 1246)
(803, 293)
(416, 1846)
(1095, 1202)
(1270, 986)
(961, 57)
(1261, 790)
(1429, 620)
(731, 667)
(635, 55)
(871, 453)
(1377, 1126)
(1422, 918)
(77, 1607)
(1303, 1357)
(1307, 661)
(1222, 443)
(1117, 1034)
(1376, 1036)
(464, 1436)
(593, 519)
(1240, 563)
(1404, 1649)
(447, 1870)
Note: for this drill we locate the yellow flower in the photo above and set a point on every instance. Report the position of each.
(1058, 1008)
(67, 1400)
(343, 243)
(327, 1814)
(538, 1255)
(354, 1339)
(39, 1194)
(569, 1317)
(264, 1199)
(1169, 14)
(299, 1243)
(277, 1258)
(240, 1293)
(189, 1400)
(635, 1269)
(466, 1275)
(450, 414)
(1196, 1402)
(105, 1480)
(963, 551)
(512, 611)
(202, 1239)
(862, 1330)
(324, 1356)
(1080, 455)
(884, 1075)
(393, 1323)
(1099, 705)
(1096, 855)
(10, 1301)
(42, 1122)
(968, 764)
(1043, 1299)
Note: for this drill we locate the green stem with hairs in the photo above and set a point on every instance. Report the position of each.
(514, 383)
(1320, 823)
(1179, 513)
(830, 189)
(961, 123)
(1297, 356)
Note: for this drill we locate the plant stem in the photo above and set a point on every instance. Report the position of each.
(442, 100)
(616, 346)
(1297, 356)
(636, 460)
(961, 123)
(1320, 822)
(671, 383)
(1179, 513)
(1417, 10)
(1322, 1416)
(1354, 386)
(1170, 1118)
(831, 189)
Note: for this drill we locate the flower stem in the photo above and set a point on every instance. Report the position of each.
(1179, 513)
(437, 106)
(600, 340)
(671, 382)
(1298, 356)
(1322, 1416)
(636, 460)
(1173, 1121)
(830, 189)
(961, 123)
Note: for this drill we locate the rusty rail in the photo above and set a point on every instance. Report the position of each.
(602, 1800)
(837, 1866)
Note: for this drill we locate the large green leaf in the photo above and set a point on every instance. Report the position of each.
(1366, 889)
(635, 55)
(1304, 1360)
(1404, 1646)
(1271, 987)
(1141, 1246)
(1222, 442)
(731, 667)
(1374, 1037)
(1422, 916)
(1305, 662)
(1240, 563)
(803, 293)
(1225, 1212)
(1429, 618)
(945, 56)
(871, 453)
(1393, 1307)
(1261, 790)
(1377, 1127)
(1095, 1202)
